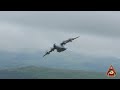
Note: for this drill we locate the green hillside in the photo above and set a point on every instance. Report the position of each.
(32, 72)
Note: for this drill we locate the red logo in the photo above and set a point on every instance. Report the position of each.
(111, 72)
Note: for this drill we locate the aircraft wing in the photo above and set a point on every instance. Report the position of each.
(52, 49)
(67, 41)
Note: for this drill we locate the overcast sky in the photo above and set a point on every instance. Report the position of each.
(37, 31)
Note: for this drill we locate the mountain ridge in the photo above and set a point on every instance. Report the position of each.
(34, 72)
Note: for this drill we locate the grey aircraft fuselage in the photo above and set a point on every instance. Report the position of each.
(59, 48)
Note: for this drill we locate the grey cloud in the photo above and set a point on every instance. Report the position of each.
(93, 22)
(105, 23)
(34, 31)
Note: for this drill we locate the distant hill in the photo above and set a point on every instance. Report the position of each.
(32, 72)
(65, 60)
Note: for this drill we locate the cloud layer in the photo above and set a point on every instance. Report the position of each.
(37, 31)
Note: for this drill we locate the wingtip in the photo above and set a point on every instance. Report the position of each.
(44, 56)
(78, 37)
